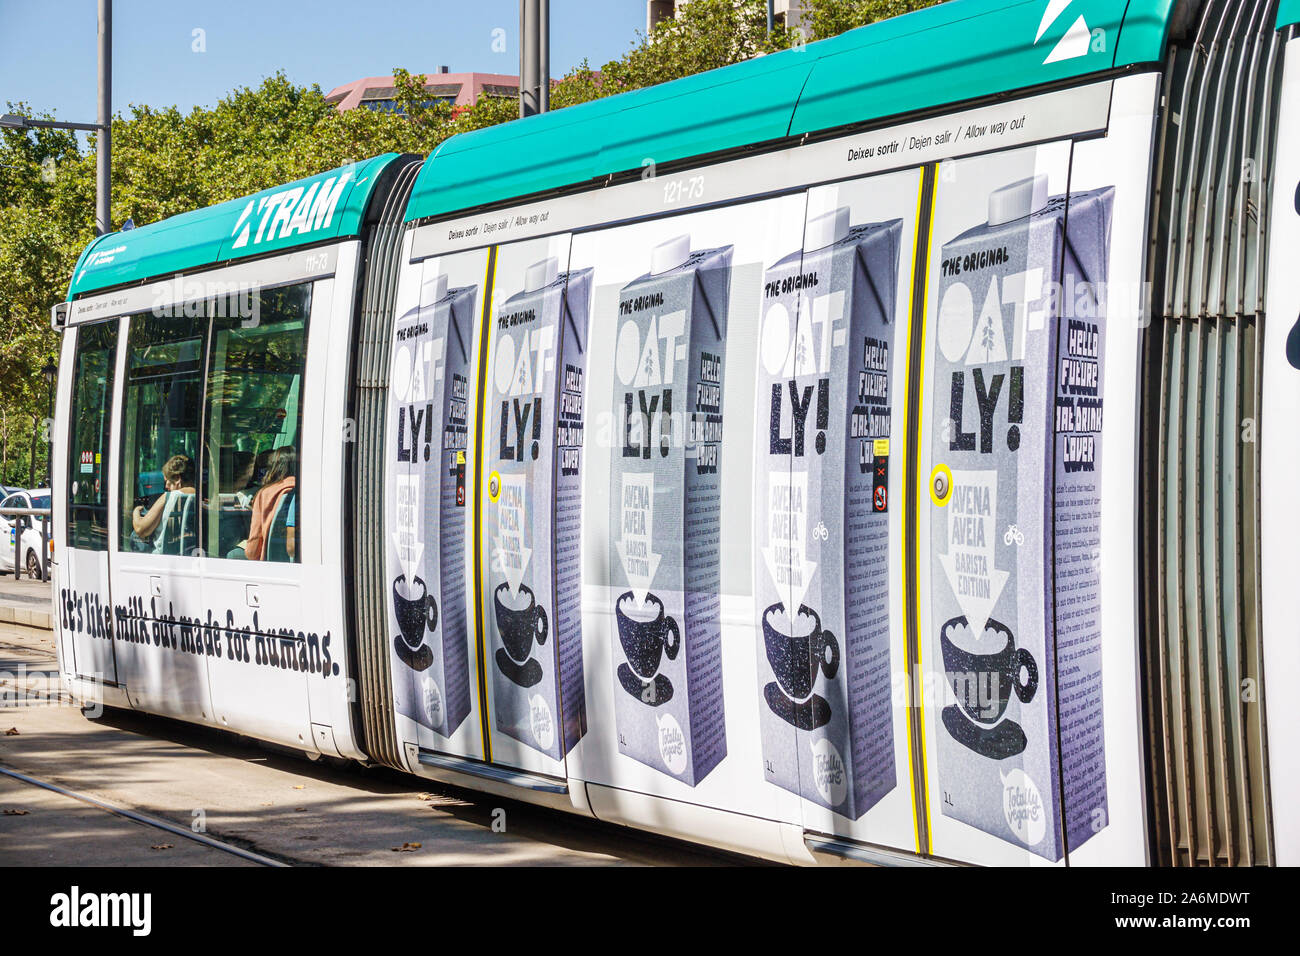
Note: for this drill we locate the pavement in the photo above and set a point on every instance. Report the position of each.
(26, 601)
(277, 804)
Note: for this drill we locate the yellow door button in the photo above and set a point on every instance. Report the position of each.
(941, 485)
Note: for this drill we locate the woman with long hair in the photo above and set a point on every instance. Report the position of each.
(281, 477)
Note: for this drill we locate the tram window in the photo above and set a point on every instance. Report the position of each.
(254, 428)
(91, 422)
(162, 404)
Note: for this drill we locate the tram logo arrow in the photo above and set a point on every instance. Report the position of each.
(1077, 40)
(969, 564)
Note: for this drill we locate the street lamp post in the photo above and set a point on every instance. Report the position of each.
(103, 128)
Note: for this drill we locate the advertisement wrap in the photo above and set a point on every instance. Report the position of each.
(533, 490)
(665, 512)
(821, 513)
(430, 388)
(1015, 532)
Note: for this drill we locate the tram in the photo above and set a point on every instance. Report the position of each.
(875, 451)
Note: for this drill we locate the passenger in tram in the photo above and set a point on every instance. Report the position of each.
(165, 525)
(280, 479)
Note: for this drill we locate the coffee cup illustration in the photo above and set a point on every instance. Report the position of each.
(416, 609)
(983, 670)
(797, 648)
(520, 620)
(646, 633)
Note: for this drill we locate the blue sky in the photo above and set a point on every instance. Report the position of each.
(47, 47)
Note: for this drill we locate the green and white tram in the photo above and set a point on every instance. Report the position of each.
(728, 459)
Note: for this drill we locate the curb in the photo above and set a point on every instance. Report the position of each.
(26, 616)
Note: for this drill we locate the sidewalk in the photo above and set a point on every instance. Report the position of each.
(26, 602)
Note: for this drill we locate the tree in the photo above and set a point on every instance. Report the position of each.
(829, 18)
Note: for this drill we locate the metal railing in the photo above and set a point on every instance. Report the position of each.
(20, 521)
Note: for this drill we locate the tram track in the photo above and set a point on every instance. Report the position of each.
(144, 819)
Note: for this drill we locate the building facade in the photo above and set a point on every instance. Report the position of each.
(455, 89)
(789, 12)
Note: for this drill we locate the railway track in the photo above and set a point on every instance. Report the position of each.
(149, 821)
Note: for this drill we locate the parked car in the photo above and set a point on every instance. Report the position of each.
(30, 552)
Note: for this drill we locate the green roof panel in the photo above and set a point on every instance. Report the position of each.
(1144, 33)
(721, 109)
(320, 208)
(953, 52)
(710, 112)
(513, 159)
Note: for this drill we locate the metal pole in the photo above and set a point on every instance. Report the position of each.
(527, 57)
(18, 528)
(103, 142)
(544, 55)
(771, 17)
(45, 548)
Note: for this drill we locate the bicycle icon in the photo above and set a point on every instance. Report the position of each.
(821, 532)
(1013, 536)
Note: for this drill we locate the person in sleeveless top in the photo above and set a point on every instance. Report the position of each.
(149, 526)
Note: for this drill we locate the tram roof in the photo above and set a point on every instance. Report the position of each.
(956, 51)
(328, 206)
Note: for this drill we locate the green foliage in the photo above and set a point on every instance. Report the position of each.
(708, 34)
(828, 18)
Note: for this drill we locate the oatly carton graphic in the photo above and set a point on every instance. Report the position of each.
(1014, 545)
(431, 660)
(665, 513)
(534, 485)
(821, 512)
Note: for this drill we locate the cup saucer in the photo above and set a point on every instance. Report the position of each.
(525, 675)
(998, 742)
(812, 713)
(655, 692)
(417, 660)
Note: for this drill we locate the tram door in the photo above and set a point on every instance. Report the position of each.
(532, 658)
(256, 460)
(483, 506)
(836, 510)
(153, 513)
(1004, 521)
(83, 599)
